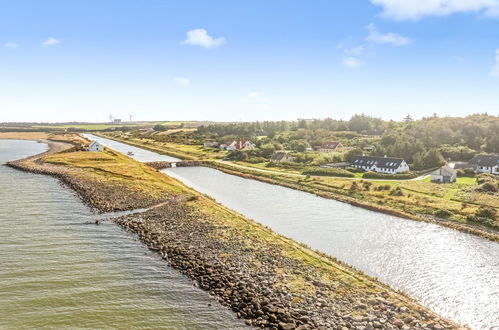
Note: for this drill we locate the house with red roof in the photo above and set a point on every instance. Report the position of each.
(331, 146)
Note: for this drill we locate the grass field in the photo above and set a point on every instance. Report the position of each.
(110, 167)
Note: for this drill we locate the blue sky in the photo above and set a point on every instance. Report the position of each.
(247, 60)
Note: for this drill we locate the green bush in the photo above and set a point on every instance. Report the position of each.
(397, 192)
(484, 215)
(466, 172)
(256, 160)
(443, 213)
(328, 172)
(400, 176)
(355, 170)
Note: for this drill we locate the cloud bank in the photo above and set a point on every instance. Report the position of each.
(417, 9)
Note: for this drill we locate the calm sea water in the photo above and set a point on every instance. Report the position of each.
(58, 271)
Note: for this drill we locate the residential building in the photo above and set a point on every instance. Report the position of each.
(95, 146)
(445, 174)
(331, 146)
(237, 145)
(485, 163)
(281, 157)
(385, 164)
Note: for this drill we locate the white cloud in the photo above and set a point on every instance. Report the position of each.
(51, 42)
(416, 9)
(357, 50)
(200, 37)
(495, 69)
(377, 37)
(182, 82)
(352, 62)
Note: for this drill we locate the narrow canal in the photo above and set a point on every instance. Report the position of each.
(453, 273)
(59, 270)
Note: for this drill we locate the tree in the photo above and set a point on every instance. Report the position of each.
(408, 118)
(352, 153)
(159, 128)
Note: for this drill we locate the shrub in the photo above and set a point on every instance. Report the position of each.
(397, 192)
(320, 171)
(484, 215)
(485, 177)
(400, 176)
(487, 187)
(486, 212)
(159, 128)
(256, 160)
(355, 170)
(443, 213)
(466, 172)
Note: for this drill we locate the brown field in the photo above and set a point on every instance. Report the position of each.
(24, 135)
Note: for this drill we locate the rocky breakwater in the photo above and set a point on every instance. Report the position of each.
(271, 281)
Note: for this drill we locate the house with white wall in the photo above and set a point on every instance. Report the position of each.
(95, 146)
(485, 164)
(388, 165)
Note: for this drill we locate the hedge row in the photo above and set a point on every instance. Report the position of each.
(328, 172)
(400, 176)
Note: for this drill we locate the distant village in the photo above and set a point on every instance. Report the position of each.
(379, 164)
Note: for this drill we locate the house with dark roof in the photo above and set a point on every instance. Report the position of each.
(385, 164)
(445, 174)
(281, 157)
(331, 146)
(485, 163)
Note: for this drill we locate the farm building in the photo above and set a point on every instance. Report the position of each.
(445, 174)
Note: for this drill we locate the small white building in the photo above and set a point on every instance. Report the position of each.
(445, 174)
(95, 146)
(237, 145)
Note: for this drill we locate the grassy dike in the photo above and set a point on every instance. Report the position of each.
(418, 200)
(267, 279)
(409, 207)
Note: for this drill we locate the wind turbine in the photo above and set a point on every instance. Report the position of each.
(131, 116)
(111, 118)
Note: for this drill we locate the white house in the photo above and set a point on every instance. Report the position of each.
(95, 146)
(238, 145)
(485, 164)
(385, 164)
(445, 174)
